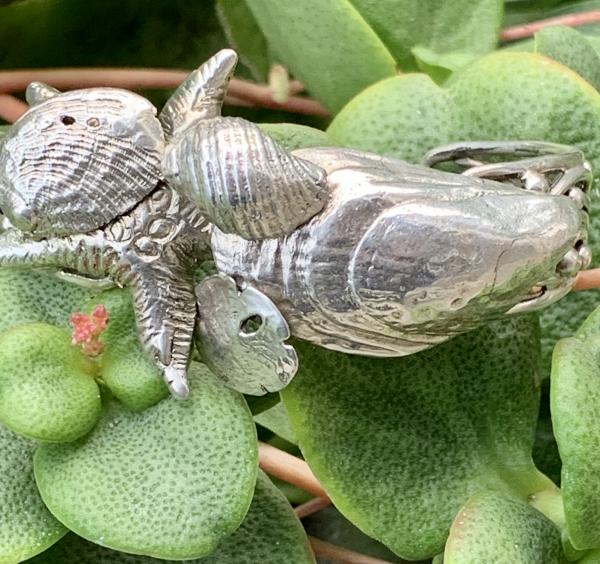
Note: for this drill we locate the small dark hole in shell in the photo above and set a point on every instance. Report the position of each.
(68, 120)
(251, 325)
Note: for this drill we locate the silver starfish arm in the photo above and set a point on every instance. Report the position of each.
(85, 254)
(165, 308)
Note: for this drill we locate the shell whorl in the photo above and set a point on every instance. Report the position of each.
(243, 180)
(77, 160)
(200, 96)
(38, 92)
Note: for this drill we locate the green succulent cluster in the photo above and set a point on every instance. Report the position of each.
(442, 455)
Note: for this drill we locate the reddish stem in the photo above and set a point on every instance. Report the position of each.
(587, 280)
(289, 468)
(11, 108)
(522, 31)
(341, 555)
(312, 506)
(241, 92)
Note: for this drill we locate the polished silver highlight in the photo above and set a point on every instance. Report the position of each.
(404, 256)
(349, 250)
(239, 177)
(241, 336)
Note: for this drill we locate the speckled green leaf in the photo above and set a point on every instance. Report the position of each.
(327, 45)
(439, 66)
(26, 526)
(28, 296)
(47, 386)
(571, 48)
(293, 136)
(470, 26)
(408, 115)
(592, 557)
(169, 482)
(401, 444)
(575, 396)
(499, 528)
(270, 534)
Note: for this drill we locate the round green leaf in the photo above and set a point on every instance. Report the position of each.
(47, 389)
(571, 48)
(574, 396)
(26, 526)
(401, 444)
(327, 45)
(294, 136)
(495, 527)
(27, 296)
(124, 366)
(270, 534)
(169, 482)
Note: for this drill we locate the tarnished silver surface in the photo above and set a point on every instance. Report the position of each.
(241, 335)
(358, 252)
(240, 178)
(153, 249)
(404, 256)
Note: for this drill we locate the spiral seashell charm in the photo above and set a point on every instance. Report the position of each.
(243, 181)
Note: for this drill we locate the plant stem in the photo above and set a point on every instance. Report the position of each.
(523, 31)
(289, 468)
(312, 506)
(341, 555)
(587, 280)
(11, 108)
(241, 92)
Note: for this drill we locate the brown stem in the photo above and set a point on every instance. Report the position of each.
(587, 280)
(341, 555)
(528, 30)
(289, 468)
(11, 108)
(312, 506)
(240, 90)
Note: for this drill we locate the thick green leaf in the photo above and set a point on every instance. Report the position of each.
(575, 395)
(502, 96)
(591, 558)
(245, 36)
(440, 66)
(170, 482)
(270, 534)
(327, 45)
(572, 49)
(47, 386)
(401, 444)
(276, 420)
(125, 367)
(467, 26)
(26, 526)
(495, 527)
(293, 136)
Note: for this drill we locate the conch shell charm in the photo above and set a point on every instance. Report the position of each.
(349, 250)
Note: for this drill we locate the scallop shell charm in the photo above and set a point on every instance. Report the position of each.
(76, 161)
(242, 180)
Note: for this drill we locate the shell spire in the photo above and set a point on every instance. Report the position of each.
(201, 94)
(38, 92)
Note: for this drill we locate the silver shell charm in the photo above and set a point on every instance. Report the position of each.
(78, 160)
(346, 249)
(241, 336)
(242, 180)
(404, 256)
